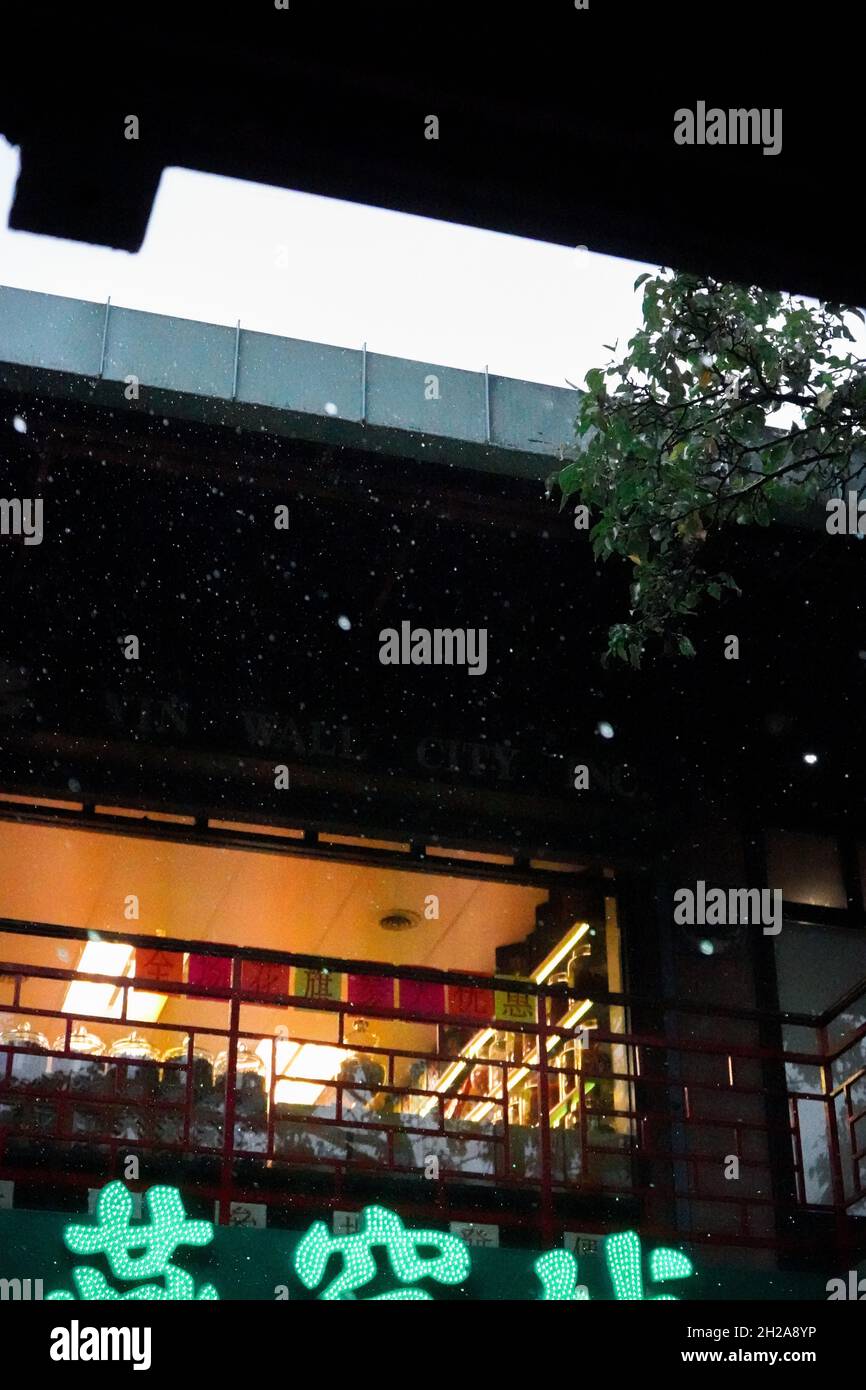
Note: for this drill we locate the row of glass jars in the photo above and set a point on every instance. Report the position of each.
(133, 1047)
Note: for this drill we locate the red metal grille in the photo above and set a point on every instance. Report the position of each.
(498, 1117)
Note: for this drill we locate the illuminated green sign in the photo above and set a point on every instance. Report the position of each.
(140, 1252)
(116, 1238)
(380, 1227)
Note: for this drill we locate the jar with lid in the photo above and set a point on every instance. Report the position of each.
(174, 1076)
(84, 1070)
(250, 1100)
(176, 1073)
(29, 1069)
(361, 1073)
(29, 1062)
(578, 967)
(138, 1074)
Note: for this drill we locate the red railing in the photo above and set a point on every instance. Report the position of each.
(489, 1100)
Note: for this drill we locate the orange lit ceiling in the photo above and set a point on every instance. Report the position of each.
(83, 879)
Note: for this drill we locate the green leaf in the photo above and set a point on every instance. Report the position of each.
(569, 479)
(655, 452)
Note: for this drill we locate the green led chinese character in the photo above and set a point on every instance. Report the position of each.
(557, 1270)
(114, 1237)
(380, 1227)
(623, 1255)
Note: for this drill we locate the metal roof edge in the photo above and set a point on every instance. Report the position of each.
(287, 386)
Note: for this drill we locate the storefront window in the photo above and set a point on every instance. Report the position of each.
(358, 1044)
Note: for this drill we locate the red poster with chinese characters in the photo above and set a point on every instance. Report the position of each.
(419, 997)
(211, 972)
(165, 966)
(371, 992)
(469, 1002)
(264, 978)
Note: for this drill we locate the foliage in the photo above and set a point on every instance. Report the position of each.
(729, 401)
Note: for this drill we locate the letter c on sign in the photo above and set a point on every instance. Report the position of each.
(424, 748)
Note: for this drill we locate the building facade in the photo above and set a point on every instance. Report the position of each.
(297, 930)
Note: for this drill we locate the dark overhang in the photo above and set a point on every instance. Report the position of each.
(555, 124)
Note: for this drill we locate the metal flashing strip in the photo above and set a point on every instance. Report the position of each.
(348, 395)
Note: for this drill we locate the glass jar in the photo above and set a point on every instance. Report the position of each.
(82, 1072)
(174, 1078)
(497, 1051)
(251, 1086)
(577, 964)
(32, 1068)
(361, 1072)
(80, 1040)
(135, 1047)
(141, 1079)
(22, 1037)
(247, 1064)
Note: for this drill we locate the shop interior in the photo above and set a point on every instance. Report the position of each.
(307, 1077)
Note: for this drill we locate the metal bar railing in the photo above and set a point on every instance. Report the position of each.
(473, 1112)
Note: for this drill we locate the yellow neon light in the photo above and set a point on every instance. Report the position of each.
(484, 1107)
(538, 976)
(549, 964)
(575, 1013)
(454, 1069)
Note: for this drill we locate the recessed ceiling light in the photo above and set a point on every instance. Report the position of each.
(399, 919)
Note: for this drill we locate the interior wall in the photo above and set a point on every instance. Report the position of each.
(310, 906)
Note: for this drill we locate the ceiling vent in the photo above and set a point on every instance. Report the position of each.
(399, 919)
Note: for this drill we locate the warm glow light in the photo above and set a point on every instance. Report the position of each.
(576, 1012)
(106, 1000)
(452, 1071)
(87, 997)
(312, 1060)
(279, 1051)
(549, 964)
